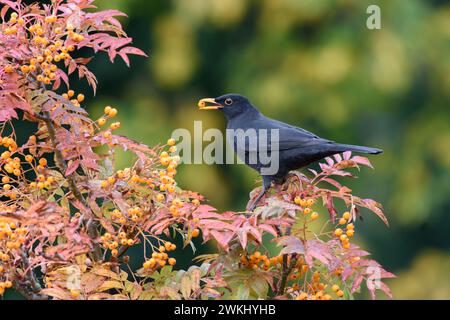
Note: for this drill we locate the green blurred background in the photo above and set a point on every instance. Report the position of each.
(312, 63)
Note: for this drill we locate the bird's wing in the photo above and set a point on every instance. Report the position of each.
(290, 137)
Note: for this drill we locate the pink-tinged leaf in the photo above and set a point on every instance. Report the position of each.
(242, 235)
(7, 113)
(362, 160)
(347, 155)
(320, 251)
(291, 244)
(344, 190)
(333, 182)
(386, 290)
(338, 157)
(371, 287)
(222, 238)
(330, 207)
(329, 161)
(357, 283)
(268, 229)
(214, 224)
(12, 4)
(72, 167)
(376, 208)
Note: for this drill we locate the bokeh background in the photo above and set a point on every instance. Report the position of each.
(312, 63)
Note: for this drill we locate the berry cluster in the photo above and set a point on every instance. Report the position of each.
(260, 261)
(53, 41)
(15, 168)
(161, 258)
(12, 237)
(344, 235)
(306, 205)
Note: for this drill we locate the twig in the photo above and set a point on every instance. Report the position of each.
(62, 166)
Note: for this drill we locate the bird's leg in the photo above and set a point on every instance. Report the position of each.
(266, 185)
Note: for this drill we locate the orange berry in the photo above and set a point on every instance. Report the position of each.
(101, 121)
(115, 125)
(113, 112)
(195, 233)
(9, 69)
(314, 215)
(342, 221)
(346, 215)
(25, 69)
(74, 293)
(80, 97)
(172, 261)
(171, 142)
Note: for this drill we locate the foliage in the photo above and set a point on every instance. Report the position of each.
(68, 216)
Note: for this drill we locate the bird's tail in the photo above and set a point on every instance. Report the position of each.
(349, 147)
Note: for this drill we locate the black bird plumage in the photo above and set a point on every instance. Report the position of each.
(297, 147)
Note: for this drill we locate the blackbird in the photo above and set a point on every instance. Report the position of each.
(293, 147)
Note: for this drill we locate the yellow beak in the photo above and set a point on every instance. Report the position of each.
(209, 104)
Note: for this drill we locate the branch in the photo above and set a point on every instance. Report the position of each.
(29, 286)
(62, 165)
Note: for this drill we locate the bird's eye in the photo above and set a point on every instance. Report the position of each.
(228, 102)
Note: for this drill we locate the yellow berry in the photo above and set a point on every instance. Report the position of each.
(171, 142)
(314, 215)
(307, 211)
(338, 232)
(346, 215)
(342, 221)
(107, 110)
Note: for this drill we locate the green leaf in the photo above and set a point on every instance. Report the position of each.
(242, 292)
